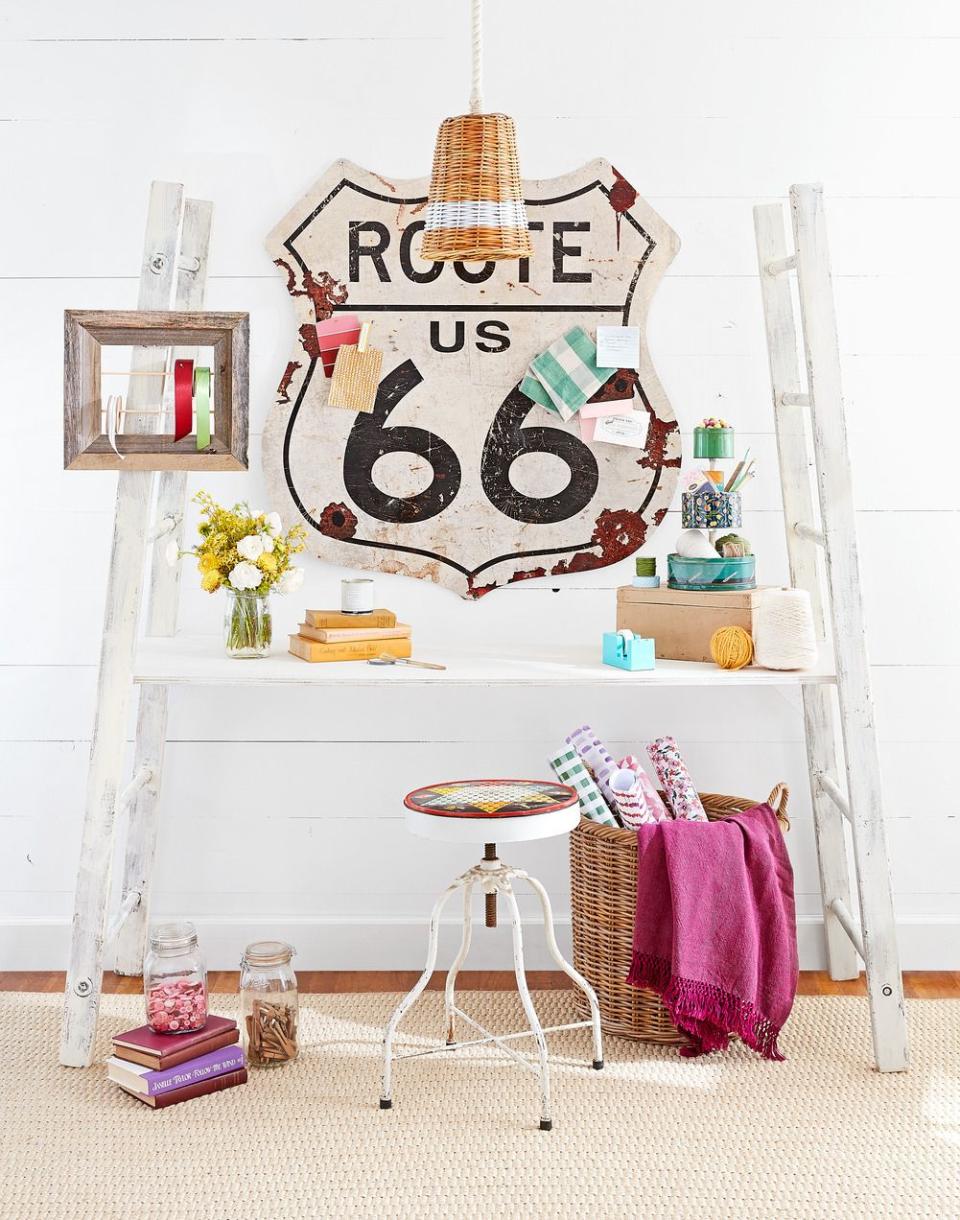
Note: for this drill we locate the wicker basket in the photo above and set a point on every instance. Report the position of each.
(603, 877)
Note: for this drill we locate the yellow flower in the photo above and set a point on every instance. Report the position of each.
(210, 581)
(267, 563)
(208, 562)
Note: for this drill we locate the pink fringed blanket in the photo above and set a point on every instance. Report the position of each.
(715, 933)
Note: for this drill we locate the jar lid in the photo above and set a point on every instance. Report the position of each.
(170, 937)
(268, 953)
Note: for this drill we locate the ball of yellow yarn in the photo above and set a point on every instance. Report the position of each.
(731, 647)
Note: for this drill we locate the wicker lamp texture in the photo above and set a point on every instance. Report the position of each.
(475, 208)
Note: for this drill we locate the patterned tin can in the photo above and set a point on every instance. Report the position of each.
(710, 510)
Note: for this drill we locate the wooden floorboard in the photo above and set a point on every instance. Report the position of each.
(918, 984)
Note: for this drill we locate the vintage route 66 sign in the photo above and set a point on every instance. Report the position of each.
(455, 476)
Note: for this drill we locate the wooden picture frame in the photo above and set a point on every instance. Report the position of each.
(88, 331)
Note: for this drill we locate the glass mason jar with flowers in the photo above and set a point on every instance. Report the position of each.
(247, 554)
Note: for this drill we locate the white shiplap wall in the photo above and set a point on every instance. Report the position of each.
(281, 810)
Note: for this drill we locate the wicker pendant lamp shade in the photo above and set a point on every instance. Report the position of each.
(475, 209)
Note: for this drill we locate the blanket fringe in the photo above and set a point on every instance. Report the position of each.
(706, 1013)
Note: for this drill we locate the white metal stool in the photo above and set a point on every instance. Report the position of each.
(479, 811)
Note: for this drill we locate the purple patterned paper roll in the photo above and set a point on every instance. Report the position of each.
(675, 779)
(596, 758)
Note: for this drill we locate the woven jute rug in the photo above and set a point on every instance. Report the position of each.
(821, 1135)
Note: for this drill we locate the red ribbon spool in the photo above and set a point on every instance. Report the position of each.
(182, 398)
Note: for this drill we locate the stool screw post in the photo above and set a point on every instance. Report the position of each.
(490, 900)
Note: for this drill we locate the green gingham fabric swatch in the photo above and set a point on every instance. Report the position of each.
(568, 371)
(534, 390)
(570, 770)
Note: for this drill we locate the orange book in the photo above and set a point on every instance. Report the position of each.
(343, 635)
(337, 618)
(352, 650)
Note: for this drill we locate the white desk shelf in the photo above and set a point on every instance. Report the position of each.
(188, 660)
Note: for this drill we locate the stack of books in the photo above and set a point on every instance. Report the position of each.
(332, 635)
(163, 1069)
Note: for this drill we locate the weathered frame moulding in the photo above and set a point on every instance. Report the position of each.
(88, 331)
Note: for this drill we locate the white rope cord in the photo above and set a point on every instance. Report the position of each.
(476, 37)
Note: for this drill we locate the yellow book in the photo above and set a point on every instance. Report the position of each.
(343, 635)
(353, 650)
(336, 618)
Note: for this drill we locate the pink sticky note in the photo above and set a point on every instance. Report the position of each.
(594, 410)
(588, 426)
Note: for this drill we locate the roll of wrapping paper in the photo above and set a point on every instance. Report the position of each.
(675, 780)
(182, 398)
(570, 770)
(595, 757)
(632, 807)
(645, 790)
(201, 404)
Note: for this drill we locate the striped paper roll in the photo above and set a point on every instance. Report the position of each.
(476, 209)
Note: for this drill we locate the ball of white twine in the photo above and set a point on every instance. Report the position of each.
(783, 634)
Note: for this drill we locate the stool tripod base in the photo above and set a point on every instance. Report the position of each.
(492, 878)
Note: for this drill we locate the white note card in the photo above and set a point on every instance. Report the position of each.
(618, 347)
(623, 429)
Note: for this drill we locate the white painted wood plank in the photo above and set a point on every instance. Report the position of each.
(248, 19)
(806, 567)
(884, 981)
(868, 77)
(123, 594)
(197, 660)
(163, 599)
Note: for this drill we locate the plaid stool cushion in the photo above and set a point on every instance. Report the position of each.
(491, 798)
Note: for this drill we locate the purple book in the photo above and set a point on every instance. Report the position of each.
(139, 1079)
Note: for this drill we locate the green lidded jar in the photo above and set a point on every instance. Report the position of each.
(713, 443)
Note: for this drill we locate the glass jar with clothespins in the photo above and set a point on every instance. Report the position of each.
(269, 1005)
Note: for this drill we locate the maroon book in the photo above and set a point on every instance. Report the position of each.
(212, 1084)
(159, 1051)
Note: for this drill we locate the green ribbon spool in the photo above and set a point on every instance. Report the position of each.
(646, 565)
(201, 404)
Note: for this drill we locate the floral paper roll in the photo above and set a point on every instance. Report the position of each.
(675, 779)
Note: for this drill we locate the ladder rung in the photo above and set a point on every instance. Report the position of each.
(124, 911)
(846, 921)
(832, 790)
(777, 266)
(142, 777)
(809, 534)
(794, 400)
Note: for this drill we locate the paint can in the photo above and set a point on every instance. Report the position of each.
(356, 596)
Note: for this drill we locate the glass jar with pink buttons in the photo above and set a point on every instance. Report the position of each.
(175, 980)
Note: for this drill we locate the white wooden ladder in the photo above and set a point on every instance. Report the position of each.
(822, 548)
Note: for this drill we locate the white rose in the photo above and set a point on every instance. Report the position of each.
(250, 548)
(290, 581)
(173, 552)
(267, 543)
(245, 576)
(273, 524)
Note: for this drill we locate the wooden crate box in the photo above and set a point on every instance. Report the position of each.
(682, 622)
